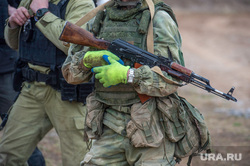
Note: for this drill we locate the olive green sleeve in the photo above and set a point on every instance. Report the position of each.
(51, 26)
(11, 35)
(166, 35)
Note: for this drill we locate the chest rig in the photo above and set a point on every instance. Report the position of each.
(132, 26)
(129, 25)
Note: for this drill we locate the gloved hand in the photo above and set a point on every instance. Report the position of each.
(111, 74)
(94, 58)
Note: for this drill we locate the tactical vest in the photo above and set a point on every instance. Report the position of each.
(130, 25)
(128, 28)
(35, 48)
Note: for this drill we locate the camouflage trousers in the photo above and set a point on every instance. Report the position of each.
(113, 149)
(37, 110)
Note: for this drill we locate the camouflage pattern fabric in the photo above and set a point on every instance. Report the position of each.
(113, 149)
(128, 138)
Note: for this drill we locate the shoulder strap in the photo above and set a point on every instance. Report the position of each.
(91, 14)
(62, 3)
(62, 6)
(150, 36)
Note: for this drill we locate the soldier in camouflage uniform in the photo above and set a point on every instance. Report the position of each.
(126, 131)
(42, 104)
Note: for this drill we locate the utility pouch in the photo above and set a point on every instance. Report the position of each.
(94, 118)
(197, 136)
(144, 128)
(184, 125)
(172, 117)
(68, 91)
(77, 93)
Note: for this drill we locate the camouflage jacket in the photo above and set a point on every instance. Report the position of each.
(146, 81)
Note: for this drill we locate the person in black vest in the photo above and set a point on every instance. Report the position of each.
(46, 100)
(8, 58)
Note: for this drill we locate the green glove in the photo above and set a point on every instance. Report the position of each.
(94, 58)
(111, 74)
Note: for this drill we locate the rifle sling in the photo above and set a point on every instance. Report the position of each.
(91, 14)
(157, 70)
(150, 36)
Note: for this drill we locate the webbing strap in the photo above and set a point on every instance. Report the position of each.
(147, 132)
(158, 71)
(150, 36)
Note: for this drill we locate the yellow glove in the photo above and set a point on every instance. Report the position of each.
(94, 58)
(111, 74)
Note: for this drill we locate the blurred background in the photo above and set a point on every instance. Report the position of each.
(216, 45)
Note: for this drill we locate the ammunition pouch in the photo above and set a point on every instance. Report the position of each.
(184, 125)
(144, 129)
(94, 118)
(75, 92)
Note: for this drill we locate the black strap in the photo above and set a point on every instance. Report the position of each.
(32, 75)
(62, 6)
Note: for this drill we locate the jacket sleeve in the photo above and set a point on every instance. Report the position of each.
(11, 35)
(51, 26)
(72, 70)
(166, 34)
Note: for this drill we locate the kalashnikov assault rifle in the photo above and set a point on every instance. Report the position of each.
(74, 34)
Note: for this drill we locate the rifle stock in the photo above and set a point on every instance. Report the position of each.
(74, 34)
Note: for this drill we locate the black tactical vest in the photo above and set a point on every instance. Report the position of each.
(35, 48)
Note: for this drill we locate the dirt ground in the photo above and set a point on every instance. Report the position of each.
(215, 46)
